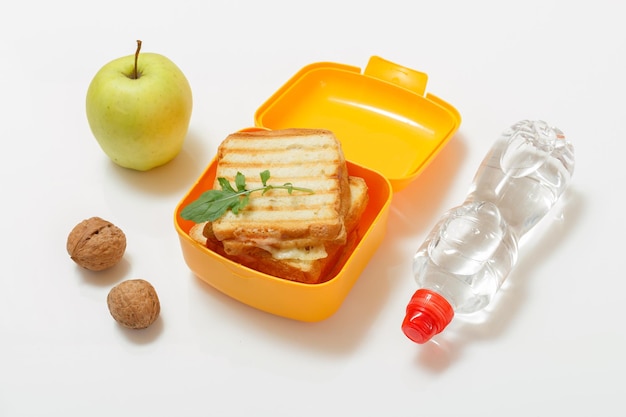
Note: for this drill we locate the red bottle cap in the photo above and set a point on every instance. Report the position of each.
(427, 314)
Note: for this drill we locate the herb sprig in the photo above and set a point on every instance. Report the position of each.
(213, 204)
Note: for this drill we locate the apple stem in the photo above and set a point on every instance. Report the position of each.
(135, 74)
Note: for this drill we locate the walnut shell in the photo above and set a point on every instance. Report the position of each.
(134, 303)
(96, 244)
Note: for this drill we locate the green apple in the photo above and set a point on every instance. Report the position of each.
(138, 108)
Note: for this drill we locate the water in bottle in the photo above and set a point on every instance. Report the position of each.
(473, 248)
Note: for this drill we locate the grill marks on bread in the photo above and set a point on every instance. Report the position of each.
(309, 268)
(301, 236)
(307, 158)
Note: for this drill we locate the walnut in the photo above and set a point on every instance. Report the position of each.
(134, 303)
(96, 244)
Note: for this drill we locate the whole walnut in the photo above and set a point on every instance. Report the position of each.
(96, 244)
(134, 303)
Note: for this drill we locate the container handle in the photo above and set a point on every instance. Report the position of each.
(404, 77)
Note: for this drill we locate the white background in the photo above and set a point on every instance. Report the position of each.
(554, 343)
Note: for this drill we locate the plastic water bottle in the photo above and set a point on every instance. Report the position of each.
(469, 253)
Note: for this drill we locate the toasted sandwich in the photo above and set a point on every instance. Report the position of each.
(297, 267)
(308, 158)
(295, 235)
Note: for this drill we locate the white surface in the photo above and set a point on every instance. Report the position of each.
(553, 343)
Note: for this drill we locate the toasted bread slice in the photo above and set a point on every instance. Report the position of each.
(308, 158)
(304, 249)
(304, 269)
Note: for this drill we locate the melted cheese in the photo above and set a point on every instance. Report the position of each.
(310, 253)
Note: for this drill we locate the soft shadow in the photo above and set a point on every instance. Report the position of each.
(172, 178)
(339, 334)
(437, 355)
(415, 208)
(342, 332)
(493, 321)
(143, 336)
(108, 276)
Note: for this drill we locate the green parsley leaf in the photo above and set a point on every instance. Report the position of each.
(240, 182)
(213, 204)
(265, 176)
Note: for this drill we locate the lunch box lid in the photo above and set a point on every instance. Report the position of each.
(383, 116)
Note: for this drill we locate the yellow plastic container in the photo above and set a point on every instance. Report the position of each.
(382, 116)
(305, 302)
(389, 129)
